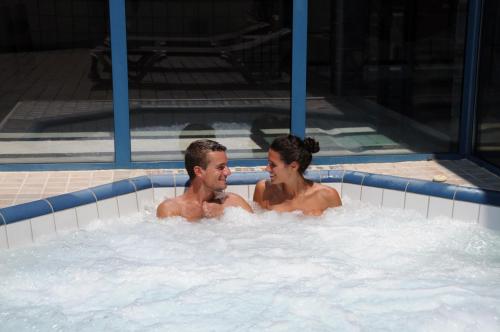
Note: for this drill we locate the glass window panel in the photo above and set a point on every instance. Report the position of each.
(51, 109)
(385, 76)
(488, 104)
(215, 69)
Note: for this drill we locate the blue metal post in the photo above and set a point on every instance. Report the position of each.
(299, 67)
(471, 62)
(120, 82)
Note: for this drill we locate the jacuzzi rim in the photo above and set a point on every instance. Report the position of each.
(20, 212)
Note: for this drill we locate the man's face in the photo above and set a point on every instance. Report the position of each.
(216, 173)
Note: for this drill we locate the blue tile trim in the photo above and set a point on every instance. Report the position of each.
(480, 196)
(385, 182)
(24, 211)
(181, 180)
(141, 183)
(334, 176)
(354, 177)
(323, 174)
(70, 200)
(53, 204)
(246, 178)
(113, 189)
(431, 188)
(50, 204)
(313, 175)
(164, 180)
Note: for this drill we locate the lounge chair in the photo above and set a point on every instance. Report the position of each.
(148, 56)
(249, 42)
(215, 40)
(147, 59)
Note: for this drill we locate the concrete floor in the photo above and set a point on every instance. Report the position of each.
(21, 187)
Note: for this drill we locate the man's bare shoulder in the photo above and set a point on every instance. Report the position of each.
(169, 208)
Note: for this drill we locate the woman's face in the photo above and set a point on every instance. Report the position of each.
(278, 170)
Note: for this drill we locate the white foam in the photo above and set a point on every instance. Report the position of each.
(355, 268)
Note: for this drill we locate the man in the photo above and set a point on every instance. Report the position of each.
(206, 164)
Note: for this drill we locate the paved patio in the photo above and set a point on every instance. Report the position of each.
(21, 187)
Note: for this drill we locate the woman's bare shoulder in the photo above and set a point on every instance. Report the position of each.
(258, 194)
(326, 194)
(233, 199)
(264, 185)
(265, 193)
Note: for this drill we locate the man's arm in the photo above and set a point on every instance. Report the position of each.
(168, 208)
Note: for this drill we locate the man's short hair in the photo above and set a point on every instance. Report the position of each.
(196, 154)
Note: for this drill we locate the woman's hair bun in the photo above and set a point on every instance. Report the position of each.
(311, 145)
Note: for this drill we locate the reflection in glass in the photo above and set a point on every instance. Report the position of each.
(488, 104)
(385, 76)
(208, 69)
(50, 109)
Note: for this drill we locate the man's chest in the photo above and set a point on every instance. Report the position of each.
(191, 211)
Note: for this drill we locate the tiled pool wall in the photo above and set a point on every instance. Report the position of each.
(24, 224)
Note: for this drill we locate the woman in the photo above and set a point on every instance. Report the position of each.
(288, 190)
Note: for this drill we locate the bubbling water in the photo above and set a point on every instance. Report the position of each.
(354, 268)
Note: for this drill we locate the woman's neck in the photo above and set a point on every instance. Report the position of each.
(295, 187)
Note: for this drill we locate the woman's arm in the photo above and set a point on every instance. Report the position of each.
(236, 200)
